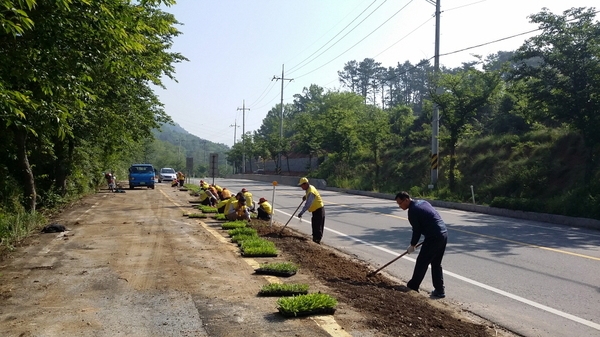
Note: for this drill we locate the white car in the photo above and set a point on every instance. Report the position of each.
(167, 174)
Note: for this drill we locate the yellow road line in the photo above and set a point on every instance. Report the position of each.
(529, 245)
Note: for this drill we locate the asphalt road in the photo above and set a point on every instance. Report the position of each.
(533, 278)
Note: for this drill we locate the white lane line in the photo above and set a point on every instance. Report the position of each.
(479, 284)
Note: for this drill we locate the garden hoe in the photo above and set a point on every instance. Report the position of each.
(371, 274)
(281, 231)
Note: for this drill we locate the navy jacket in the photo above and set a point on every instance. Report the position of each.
(425, 220)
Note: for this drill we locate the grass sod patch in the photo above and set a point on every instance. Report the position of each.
(258, 247)
(285, 269)
(242, 230)
(304, 305)
(282, 289)
(234, 224)
(239, 238)
(198, 215)
(220, 216)
(207, 209)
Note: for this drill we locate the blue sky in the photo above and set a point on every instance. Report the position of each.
(236, 47)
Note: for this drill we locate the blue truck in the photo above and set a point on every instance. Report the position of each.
(141, 175)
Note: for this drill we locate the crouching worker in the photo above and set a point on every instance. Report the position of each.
(265, 210)
(208, 198)
(238, 211)
(222, 206)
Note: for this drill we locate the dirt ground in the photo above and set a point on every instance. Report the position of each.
(132, 265)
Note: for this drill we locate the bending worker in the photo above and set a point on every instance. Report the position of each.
(264, 209)
(426, 221)
(314, 204)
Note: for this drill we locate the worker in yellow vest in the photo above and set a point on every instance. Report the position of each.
(314, 204)
(249, 201)
(238, 210)
(207, 198)
(265, 210)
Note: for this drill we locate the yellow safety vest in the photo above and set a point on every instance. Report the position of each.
(248, 197)
(267, 207)
(317, 202)
(229, 204)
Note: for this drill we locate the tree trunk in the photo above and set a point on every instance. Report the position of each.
(23, 162)
(60, 172)
(451, 178)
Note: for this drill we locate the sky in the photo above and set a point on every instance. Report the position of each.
(236, 48)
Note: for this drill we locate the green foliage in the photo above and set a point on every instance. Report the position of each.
(220, 216)
(16, 226)
(306, 303)
(284, 267)
(198, 215)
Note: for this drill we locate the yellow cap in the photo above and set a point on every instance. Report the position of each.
(302, 181)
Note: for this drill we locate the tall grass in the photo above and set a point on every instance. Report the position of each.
(14, 227)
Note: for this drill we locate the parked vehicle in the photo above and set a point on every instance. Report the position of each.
(167, 174)
(141, 175)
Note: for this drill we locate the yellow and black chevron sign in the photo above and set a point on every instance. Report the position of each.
(434, 161)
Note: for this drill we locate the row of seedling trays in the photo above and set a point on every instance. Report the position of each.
(208, 211)
(294, 298)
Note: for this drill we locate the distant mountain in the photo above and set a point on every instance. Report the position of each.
(193, 146)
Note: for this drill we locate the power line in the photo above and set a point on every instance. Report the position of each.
(361, 40)
(264, 93)
(405, 36)
(326, 43)
(467, 5)
(345, 36)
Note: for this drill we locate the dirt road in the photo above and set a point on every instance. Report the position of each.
(132, 265)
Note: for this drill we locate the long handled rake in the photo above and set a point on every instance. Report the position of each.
(281, 231)
(371, 274)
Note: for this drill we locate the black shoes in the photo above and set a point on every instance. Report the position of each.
(438, 294)
(317, 241)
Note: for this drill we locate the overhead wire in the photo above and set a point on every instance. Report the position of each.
(264, 93)
(336, 35)
(363, 20)
(405, 36)
(361, 40)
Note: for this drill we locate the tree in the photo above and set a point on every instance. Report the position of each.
(564, 80)
(81, 73)
(462, 94)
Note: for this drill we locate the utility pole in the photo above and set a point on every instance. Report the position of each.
(435, 123)
(243, 135)
(282, 78)
(235, 126)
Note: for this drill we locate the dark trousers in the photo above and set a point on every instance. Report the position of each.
(318, 224)
(262, 215)
(432, 252)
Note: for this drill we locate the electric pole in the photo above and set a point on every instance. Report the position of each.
(282, 78)
(234, 126)
(435, 122)
(243, 135)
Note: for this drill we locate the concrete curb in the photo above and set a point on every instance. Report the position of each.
(542, 217)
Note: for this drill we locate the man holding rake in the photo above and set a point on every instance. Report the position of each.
(426, 221)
